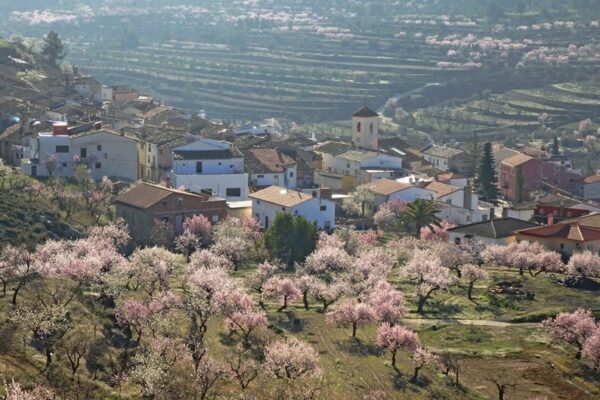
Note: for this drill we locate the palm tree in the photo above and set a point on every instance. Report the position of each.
(421, 213)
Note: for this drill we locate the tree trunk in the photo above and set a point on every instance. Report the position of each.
(394, 358)
(16, 292)
(471, 290)
(284, 306)
(501, 393)
(48, 358)
(305, 300)
(416, 374)
(354, 329)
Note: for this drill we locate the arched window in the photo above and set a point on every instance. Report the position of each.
(371, 127)
(358, 127)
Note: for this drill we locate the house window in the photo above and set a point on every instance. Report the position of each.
(220, 163)
(64, 165)
(83, 152)
(164, 203)
(562, 246)
(180, 201)
(323, 208)
(291, 174)
(215, 219)
(260, 176)
(62, 149)
(257, 201)
(358, 127)
(233, 192)
(484, 217)
(371, 127)
(282, 208)
(148, 159)
(98, 165)
(199, 167)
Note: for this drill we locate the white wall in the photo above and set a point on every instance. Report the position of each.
(438, 162)
(118, 155)
(479, 239)
(382, 161)
(310, 209)
(366, 138)
(286, 179)
(454, 198)
(218, 184)
(462, 216)
(204, 144)
(47, 147)
(413, 193)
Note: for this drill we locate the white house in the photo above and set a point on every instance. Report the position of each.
(445, 158)
(210, 166)
(459, 205)
(270, 167)
(267, 203)
(386, 190)
(106, 153)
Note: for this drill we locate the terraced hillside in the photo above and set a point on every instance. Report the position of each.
(316, 61)
(516, 112)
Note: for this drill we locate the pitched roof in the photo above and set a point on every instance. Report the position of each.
(564, 230)
(333, 148)
(385, 187)
(494, 228)
(449, 176)
(503, 153)
(145, 195)
(591, 179)
(281, 196)
(357, 155)
(266, 160)
(555, 200)
(442, 189)
(516, 160)
(365, 112)
(441, 151)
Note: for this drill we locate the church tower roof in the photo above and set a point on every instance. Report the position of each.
(365, 112)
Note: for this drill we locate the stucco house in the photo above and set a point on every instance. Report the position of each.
(267, 203)
(146, 202)
(387, 189)
(445, 158)
(270, 167)
(210, 166)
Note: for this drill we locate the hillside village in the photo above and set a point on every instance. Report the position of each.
(135, 229)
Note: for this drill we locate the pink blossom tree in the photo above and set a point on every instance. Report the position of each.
(291, 359)
(428, 275)
(439, 233)
(151, 268)
(117, 232)
(329, 293)
(16, 266)
(350, 313)
(387, 303)
(162, 234)
(385, 218)
(305, 283)
(246, 322)
(584, 264)
(208, 259)
(421, 357)
(574, 328)
(396, 337)
(195, 234)
(471, 274)
(13, 391)
(280, 288)
(591, 349)
(524, 256)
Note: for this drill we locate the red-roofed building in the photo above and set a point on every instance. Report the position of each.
(564, 237)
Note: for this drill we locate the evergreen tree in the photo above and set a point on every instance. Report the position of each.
(53, 48)
(290, 238)
(487, 177)
(520, 184)
(555, 147)
(473, 153)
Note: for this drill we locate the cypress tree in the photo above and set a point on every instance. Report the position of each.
(487, 178)
(53, 48)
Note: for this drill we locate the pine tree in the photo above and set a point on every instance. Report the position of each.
(53, 48)
(487, 177)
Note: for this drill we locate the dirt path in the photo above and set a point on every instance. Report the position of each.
(477, 322)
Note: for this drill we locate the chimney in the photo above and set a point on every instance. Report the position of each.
(551, 219)
(60, 129)
(467, 197)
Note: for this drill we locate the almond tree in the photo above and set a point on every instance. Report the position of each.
(428, 274)
(117, 232)
(243, 369)
(305, 283)
(574, 328)
(246, 322)
(195, 234)
(291, 359)
(281, 288)
(591, 349)
(420, 358)
(151, 268)
(351, 313)
(387, 303)
(327, 294)
(207, 375)
(584, 264)
(13, 391)
(16, 266)
(471, 274)
(438, 233)
(208, 259)
(396, 337)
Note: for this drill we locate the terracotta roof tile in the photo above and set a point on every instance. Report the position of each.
(267, 160)
(145, 195)
(442, 189)
(591, 179)
(281, 196)
(571, 231)
(517, 160)
(385, 187)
